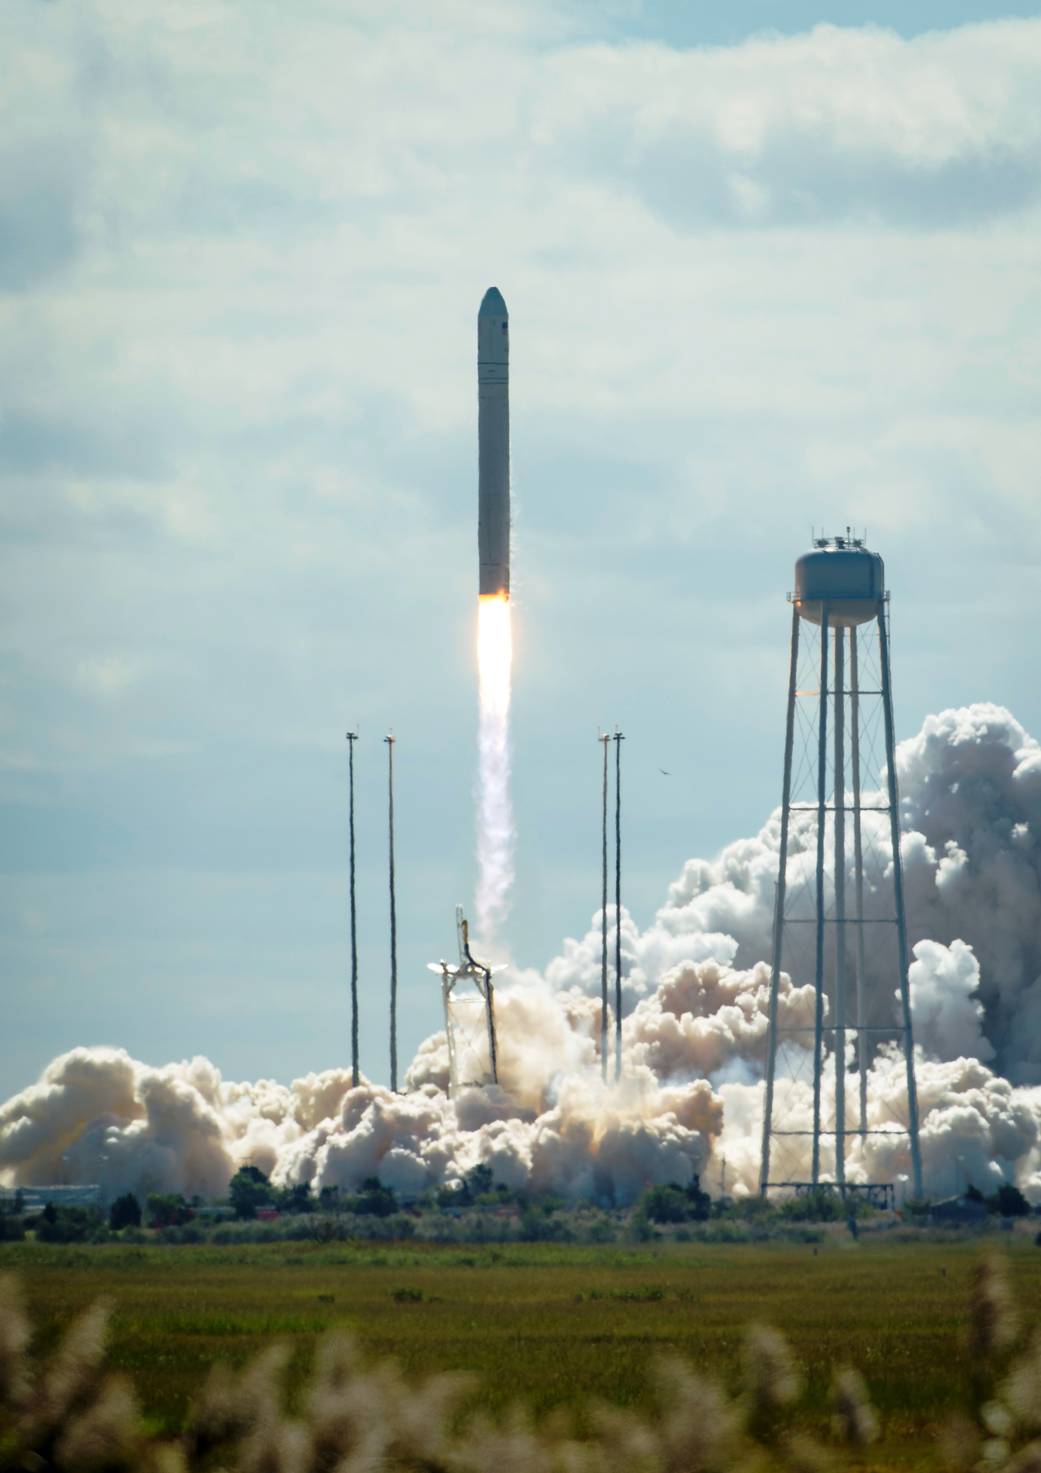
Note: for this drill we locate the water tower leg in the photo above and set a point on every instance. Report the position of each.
(840, 906)
(782, 865)
(858, 871)
(822, 809)
(898, 895)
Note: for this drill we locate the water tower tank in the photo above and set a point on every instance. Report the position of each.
(841, 572)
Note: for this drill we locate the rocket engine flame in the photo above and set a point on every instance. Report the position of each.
(494, 811)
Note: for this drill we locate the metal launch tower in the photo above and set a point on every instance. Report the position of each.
(846, 929)
(469, 1015)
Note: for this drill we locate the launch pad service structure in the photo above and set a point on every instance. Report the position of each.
(845, 676)
(468, 995)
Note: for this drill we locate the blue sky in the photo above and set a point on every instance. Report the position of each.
(757, 282)
(684, 25)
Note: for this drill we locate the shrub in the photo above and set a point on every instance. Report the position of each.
(70, 1225)
(1009, 1201)
(166, 1210)
(297, 1200)
(249, 1189)
(182, 1233)
(675, 1203)
(540, 1226)
(822, 1205)
(373, 1200)
(125, 1212)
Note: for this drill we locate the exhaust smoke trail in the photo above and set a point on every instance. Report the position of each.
(494, 811)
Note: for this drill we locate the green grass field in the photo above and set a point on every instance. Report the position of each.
(546, 1324)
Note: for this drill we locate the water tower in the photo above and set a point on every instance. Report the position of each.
(837, 932)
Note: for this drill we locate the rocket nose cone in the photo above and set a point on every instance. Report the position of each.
(493, 304)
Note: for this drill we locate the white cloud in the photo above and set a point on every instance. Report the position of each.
(107, 675)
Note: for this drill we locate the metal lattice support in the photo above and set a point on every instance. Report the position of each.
(840, 590)
(822, 800)
(901, 917)
(858, 872)
(469, 1016)
(779, 903)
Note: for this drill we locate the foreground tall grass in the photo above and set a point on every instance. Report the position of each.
(68, 1413)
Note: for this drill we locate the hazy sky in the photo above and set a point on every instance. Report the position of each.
(769, 266)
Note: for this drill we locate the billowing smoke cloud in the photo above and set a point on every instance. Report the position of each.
(694, 1038)
(970, 790)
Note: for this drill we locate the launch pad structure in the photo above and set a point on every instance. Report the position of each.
(835, 937)
(468, 996)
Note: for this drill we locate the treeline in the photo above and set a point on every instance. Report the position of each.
(472, 1209)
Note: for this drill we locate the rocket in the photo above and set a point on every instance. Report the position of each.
(493, 441)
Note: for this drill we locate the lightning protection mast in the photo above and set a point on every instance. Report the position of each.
(605, 738)
(817, 932)
(352, 737)
(619, 738)
(390, 740)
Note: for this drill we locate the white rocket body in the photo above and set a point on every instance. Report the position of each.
(493, 441)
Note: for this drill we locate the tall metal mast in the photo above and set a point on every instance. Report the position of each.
(352, 737)
(390, 740)
(619, 738)
(605, 739)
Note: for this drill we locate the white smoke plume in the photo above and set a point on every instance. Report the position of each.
(970, 793)
(694, 1038)
(495, 829)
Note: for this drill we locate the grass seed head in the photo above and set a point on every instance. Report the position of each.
(14, 1342)
(276, 1447)
(232, 1406)
(1021, 1391)
(804, 1455)
(627, 1444)
(771, 1381)
(1027, 1460)
(698, 1426)
(71, 1378)
(958, 1445)
(992, 1319)
(104, 1437)
(512, 1446)
(855, 1420)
